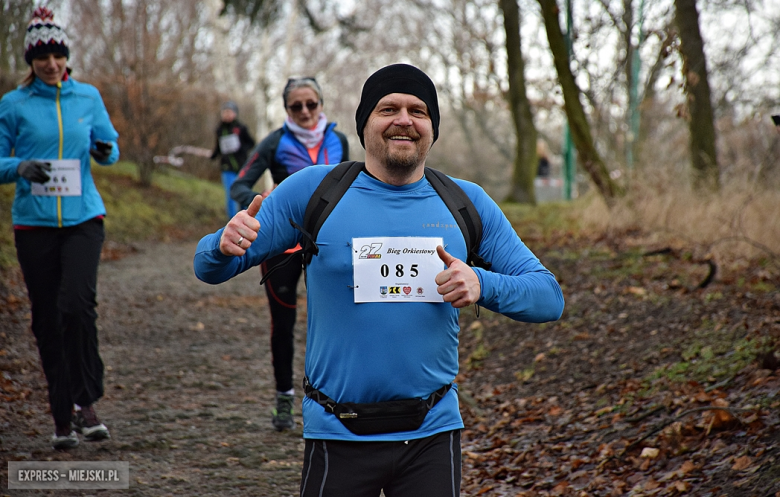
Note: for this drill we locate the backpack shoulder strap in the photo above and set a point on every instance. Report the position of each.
(336, 183)
(324, 199)
(464, 212)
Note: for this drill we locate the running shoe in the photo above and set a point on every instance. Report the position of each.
(64, 442)
(283, 414)
(86, 422)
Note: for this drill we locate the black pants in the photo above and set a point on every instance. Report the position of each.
(281, 289)
(428, 467)
(60, 270)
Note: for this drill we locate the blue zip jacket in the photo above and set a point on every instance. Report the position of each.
(294, 156)
(41, 121)
(282, 154)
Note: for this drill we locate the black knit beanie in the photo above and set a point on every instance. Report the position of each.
(397, 78)
(44, 36)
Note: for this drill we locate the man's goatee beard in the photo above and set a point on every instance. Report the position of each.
(395, 163)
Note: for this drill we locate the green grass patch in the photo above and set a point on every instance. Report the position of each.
(526, 374)
(176, 206)
(711, 357)
(544, 220)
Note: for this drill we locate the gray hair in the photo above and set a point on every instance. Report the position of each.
(295, 83)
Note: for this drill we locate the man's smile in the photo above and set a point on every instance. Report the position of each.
(397, 134)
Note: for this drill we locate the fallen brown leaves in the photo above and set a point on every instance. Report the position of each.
(632, 392)
(535, 448)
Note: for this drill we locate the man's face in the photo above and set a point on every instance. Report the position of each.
(399, 132)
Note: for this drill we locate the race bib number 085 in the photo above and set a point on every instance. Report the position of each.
(396, 269)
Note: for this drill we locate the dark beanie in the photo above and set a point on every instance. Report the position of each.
(397, 78)
(230, 105)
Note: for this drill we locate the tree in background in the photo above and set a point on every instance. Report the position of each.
(180, 51)
(615, 96)
(141, 53)
(700, 115)
(588, 156)
(525, 163)
(479, 134)
(14, 16)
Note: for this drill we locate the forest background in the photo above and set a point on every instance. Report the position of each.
(671, 286)
(165, 67)
(627, 85)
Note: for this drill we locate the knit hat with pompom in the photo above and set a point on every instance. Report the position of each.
(44, 36)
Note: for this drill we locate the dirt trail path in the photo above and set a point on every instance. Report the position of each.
(552, 409)
(189, 384)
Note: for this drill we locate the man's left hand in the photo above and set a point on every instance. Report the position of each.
(458, 283)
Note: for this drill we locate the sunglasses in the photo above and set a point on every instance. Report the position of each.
(298, 106)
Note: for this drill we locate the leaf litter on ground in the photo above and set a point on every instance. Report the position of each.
(648, 385)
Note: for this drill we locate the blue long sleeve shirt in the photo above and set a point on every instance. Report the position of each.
(371, 352)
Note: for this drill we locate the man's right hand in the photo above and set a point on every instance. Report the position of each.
(34, 170)
(242, 230)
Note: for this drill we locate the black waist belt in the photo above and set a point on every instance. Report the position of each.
(378, 417)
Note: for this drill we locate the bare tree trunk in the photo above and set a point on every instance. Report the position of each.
(13, 24)
(631, 141)
(701, 117)
(522, 187)
(589, 157)
(145, 164)
(648, 92)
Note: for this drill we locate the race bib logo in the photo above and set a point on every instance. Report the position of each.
(370, 251)
(420, 290)
(395, 290)
(382, 290)
(407, 290)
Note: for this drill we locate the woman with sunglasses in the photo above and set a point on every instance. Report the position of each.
(306, 138)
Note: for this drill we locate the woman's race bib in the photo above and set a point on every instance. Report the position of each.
(65, 179)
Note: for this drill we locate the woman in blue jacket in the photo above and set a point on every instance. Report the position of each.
(50, 127)
(305, 139)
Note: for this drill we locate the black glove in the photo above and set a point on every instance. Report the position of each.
(34, 170)
(101, 151)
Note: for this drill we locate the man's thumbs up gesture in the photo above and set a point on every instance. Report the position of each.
(458, 283)
(242, 230)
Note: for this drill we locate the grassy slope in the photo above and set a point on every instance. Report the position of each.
(176, 206)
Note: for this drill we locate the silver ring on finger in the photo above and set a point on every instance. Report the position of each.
(239, 241)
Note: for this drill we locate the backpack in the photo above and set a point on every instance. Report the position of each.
(336, 183)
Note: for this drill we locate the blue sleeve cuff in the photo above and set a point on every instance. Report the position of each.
(480, 276)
